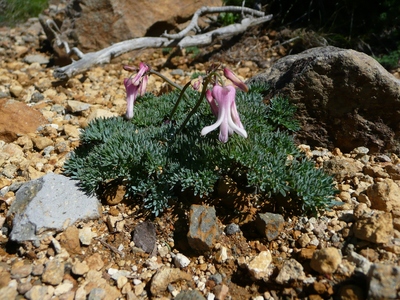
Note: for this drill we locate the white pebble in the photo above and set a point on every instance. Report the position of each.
(136, 281)
(210, 296)
(181, 261)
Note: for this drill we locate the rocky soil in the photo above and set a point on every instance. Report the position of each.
(350, 252)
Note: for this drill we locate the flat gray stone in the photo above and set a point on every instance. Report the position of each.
(36, 58)
(77, 106)
(52, 202)
(189, 295)
(144, 237)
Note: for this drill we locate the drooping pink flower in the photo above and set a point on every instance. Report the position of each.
(197, 83)
(212, 102)
(235, 80)
(135, 86)
(227, 116)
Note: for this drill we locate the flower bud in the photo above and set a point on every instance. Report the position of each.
(235, 80)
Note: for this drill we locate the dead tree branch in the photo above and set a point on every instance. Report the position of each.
(211, 10)
(86, 61)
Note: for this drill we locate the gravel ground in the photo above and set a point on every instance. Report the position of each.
(345, 253)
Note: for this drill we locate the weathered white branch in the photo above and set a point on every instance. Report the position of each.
(105, 55)
(210, 10)
(224, 32)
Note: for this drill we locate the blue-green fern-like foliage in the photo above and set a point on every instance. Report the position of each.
(154, 160)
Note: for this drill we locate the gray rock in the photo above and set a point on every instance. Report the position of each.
(4, 94)
(360, 150)
(384, 282)
(344, 98)
(190, 295)
(203, 227)
(291, 270)
(36, 58)
(47, 151)
(270, 225)
(51, 202)
(144, 237)
(363, 265)
(382, 158)
(75, 106)
(217, 278)
(15, 186)
(36, 97)
(177, 72)
(58, 108)
(232, 229)
(97, 294)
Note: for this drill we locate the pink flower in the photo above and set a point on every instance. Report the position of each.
(212, 102)
(235, 80)
(228, 118)
(134, 86)
(197, 83)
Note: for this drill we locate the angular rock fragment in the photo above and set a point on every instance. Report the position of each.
(291, 270)
(270, 225)
(203, 227)
(259, 265)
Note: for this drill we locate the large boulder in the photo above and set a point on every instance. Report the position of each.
(95, 24)
(345, 98)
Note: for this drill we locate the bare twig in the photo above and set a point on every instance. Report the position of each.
(112, 248)
(283, 43)
(86, 61)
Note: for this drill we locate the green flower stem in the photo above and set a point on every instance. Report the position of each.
(220, 79)
(192, 112)
(166, 79)
(183, 89)
(179, 99)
